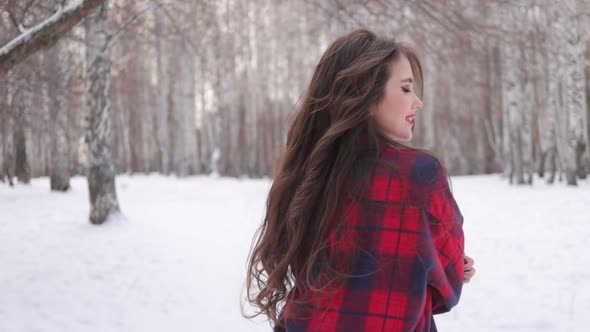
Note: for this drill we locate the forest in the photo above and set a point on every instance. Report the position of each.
(202, 87)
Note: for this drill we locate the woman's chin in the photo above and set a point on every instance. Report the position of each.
(402, 139)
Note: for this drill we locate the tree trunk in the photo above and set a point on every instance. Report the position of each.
(22, 168)
(183, 116)
(6, 138)
(513, 108)
(101, 173)
(527, 110)
(575, 98)
(59, 177)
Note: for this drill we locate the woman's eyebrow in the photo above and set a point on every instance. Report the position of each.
(409, 80)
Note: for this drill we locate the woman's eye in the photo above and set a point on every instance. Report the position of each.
(406, 90)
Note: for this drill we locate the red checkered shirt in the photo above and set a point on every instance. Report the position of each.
(411, 264)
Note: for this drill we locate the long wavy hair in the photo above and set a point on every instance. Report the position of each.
(330, 130)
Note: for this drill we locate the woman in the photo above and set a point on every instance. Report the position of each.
(361, 232)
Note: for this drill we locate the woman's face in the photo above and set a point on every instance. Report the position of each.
(395, 113)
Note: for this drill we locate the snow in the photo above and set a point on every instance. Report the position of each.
(175, 260)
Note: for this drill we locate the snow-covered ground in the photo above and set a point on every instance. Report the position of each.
(176, 261)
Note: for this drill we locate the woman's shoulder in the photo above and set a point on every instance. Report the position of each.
(401, 175)
(418, 165)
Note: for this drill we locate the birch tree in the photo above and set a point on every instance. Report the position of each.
(57, 67)
(22, 169)
(575, 98)
(6, 125)
(101, 172)
(208, 87)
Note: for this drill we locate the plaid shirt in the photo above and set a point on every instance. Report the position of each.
(411, 265)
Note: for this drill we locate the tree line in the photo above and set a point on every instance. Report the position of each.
(200, 87)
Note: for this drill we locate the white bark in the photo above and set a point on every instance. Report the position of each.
(527, 109)
(101, 173)
(549, 120)
(428, 126)
(6, 138)
(183, 116)
(513, 110)
(163, 59)
(575, 97)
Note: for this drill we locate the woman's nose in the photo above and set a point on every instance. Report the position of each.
(418, 104)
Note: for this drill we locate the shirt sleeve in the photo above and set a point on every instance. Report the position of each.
(445, 243)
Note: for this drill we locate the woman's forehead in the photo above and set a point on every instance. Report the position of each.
(401, 69)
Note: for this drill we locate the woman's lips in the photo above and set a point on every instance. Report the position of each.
(410, 118)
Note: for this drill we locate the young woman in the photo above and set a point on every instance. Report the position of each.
(361, 232)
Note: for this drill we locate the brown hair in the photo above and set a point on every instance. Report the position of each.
(324, 142)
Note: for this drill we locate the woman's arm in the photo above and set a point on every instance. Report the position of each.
(446, 229)
(443, 223)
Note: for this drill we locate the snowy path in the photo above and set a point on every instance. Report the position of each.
(177, 262)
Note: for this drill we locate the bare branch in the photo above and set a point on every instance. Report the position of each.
(134, 18)
(27, 7)
(45, 34)
(328, 11)
(188, 41)
(14, 21)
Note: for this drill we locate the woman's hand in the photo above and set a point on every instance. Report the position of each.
(469, 269)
